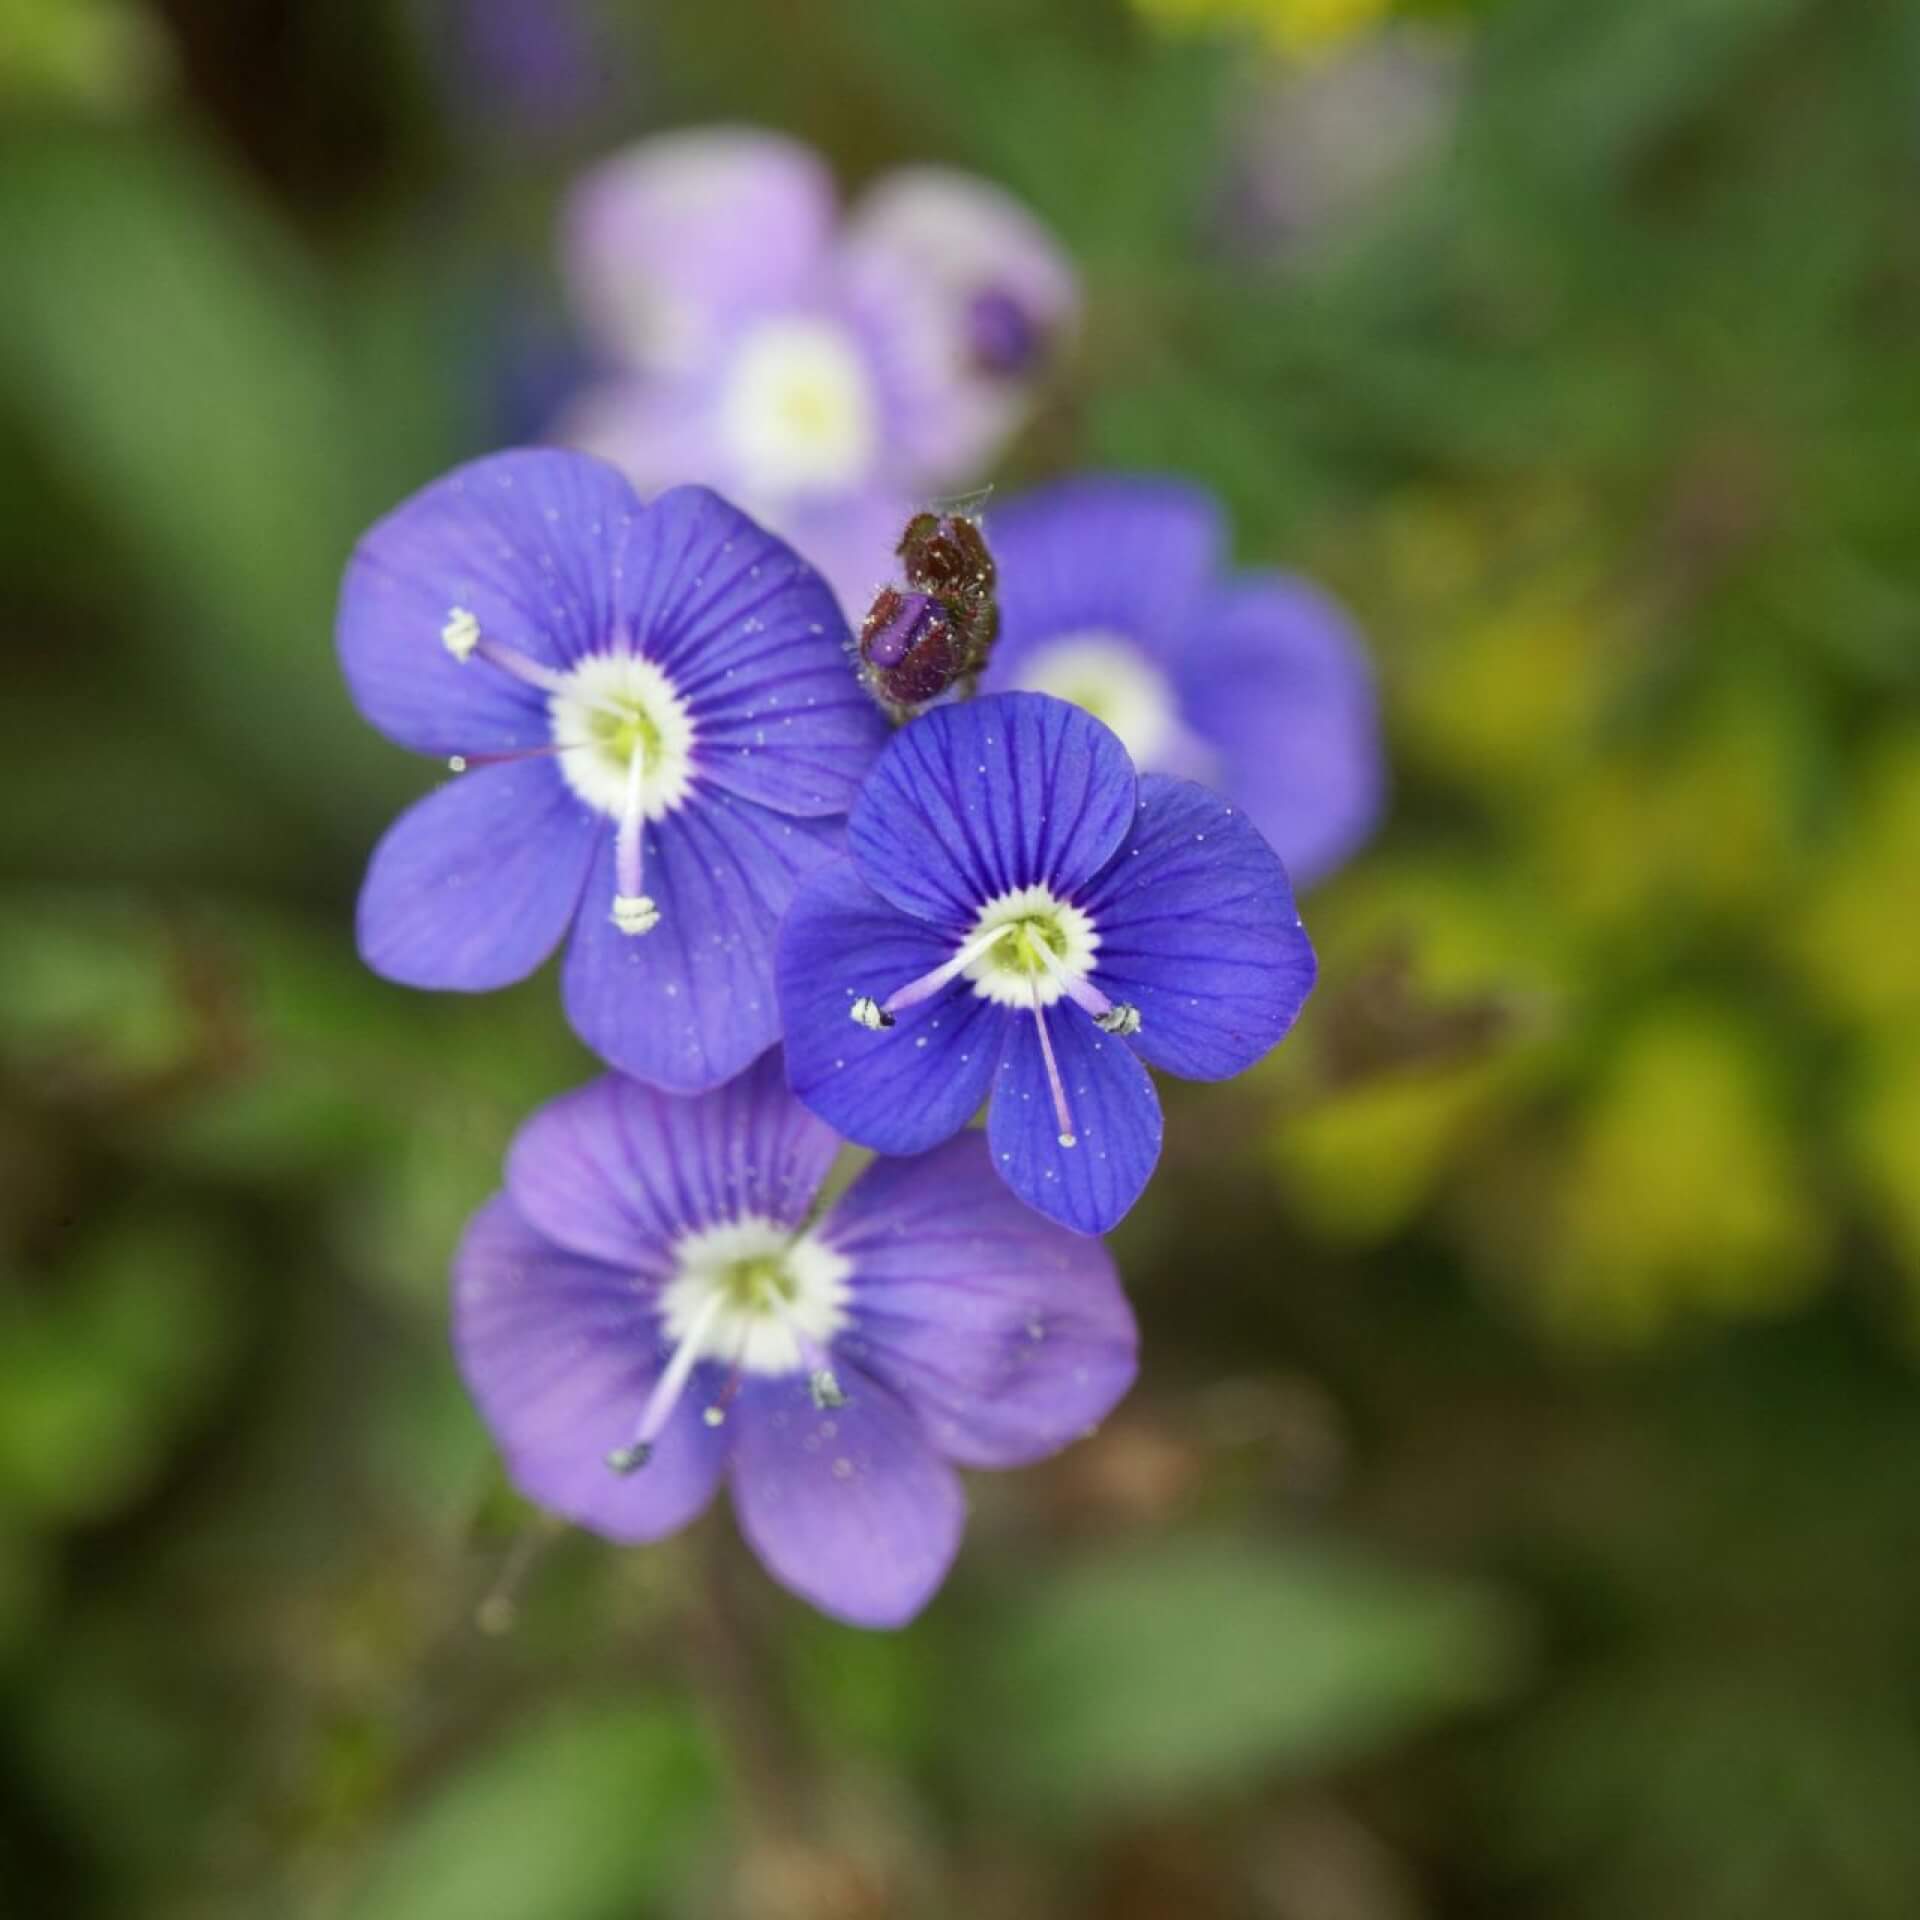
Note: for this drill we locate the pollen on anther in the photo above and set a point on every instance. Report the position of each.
(1069, 1139)
(869, 1013)
(635, 912)
(1122, 1018)
(461, 634)
(630, 1459)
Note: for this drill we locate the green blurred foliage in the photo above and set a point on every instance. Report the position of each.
(1513, 1516)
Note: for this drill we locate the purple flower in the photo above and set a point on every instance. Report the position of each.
(1022, 920)
(1113, 594)
(656, 733)
(647, 1308)
(828, 377)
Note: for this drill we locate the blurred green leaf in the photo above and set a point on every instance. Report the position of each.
(1198, 1664)
(590, 1814)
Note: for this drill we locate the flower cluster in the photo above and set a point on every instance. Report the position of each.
(829, 377)
(788, 926)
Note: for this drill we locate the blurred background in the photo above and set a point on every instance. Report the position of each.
(1516, 1516)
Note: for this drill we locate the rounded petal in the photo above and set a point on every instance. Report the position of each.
(530, 544)
(924, 247)
(851, 1508)
(853, 541)
(665, 241)
(901, 1090)
(658, 433)
(1199, 931)
(1008, 1336)
(753, 640)
(619, 1172)
(1116, 1123)
(976, 800)
(689, 1004)
(472, 887)
(1116, 554)
(559, 1354)
(1285, 695)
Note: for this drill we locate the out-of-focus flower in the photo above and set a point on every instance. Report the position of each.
(1005, 860)
(1299, 27)
(646, 1310)
(656, 732)
(1114, 594)
(829, 376)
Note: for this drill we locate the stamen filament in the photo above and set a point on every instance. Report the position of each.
(463, 638)
(822, 1383)
(666, 1392)
(1082, 992)
(929, 984)
(1061, 1113)
(633, 910)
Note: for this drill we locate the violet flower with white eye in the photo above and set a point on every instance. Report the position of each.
(651, 1307)
(1022, 922)
(1114, 593)
(656, 736)
(830, 376)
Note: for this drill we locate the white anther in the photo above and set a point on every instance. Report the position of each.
(635, 912)
(461, 634)
(825, 1389)
(869, 1013)
(1123, 1018)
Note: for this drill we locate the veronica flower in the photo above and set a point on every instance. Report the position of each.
(1021, 920)
(828, 376)
(1114, 595)
(651, 1307)
(655, 732)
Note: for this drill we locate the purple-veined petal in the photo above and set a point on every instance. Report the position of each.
(969, 802)
(666, 241)
(529, 544)
(850, 1507)
(472, 887)
(908, 1087)
(1282, 690)
(1199, 931)
(689, 1004)
(1116, 1122)
(659, 433)
(752, 638)
(852, 541)
(559, 1354)
(1122, 555)
(1009, 1336)
(619, 1172)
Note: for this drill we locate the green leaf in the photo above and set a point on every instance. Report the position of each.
(1156, 1674)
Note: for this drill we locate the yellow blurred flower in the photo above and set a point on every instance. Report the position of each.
(1297, 27)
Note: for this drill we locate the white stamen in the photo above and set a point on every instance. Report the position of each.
(1054, 1083)
(867, 1012)
(461, 634)
(930, 983)
(1122, 1018)
(667, 1390)
(635, 913)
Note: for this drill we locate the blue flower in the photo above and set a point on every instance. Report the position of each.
(1022, 920)
(1114, 594)
(656, 733)
(647, 1310)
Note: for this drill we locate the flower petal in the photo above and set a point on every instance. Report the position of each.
(1199, 931)
(752, 639)
(1116, 1123)
(530, 544)
(1119, 554)
(851, 1507)
(666, 241)
(472, 887)
(931, 245)
(559, 1354)
(898, 1091)
(973, 801)
(1285, 694)
(1008, 1336)
(619, 1172)
(691, 1003)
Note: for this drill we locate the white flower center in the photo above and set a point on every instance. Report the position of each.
(752, 1294)
(798, 410)
(1043, 947)
(612, 707)
(1115, 682)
